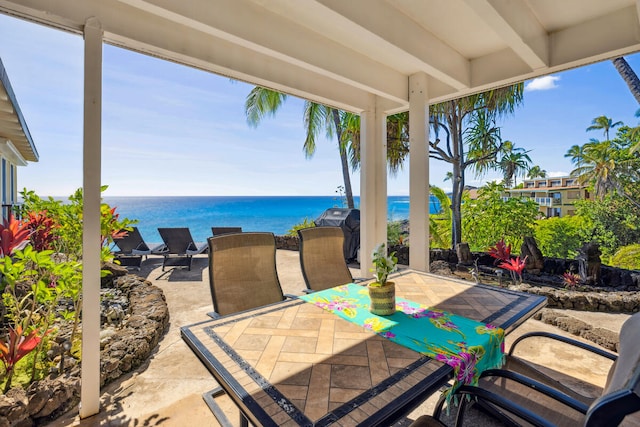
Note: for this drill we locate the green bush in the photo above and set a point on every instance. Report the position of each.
(560, 237)
(306, 223)
(627, 257)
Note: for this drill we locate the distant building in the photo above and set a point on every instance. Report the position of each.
(555, 196)
(16, 146)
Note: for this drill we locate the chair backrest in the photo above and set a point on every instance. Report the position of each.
(621, 395)
(177, 239)
(242, 271)
(322, 258)
(132, 240)
(216, 231)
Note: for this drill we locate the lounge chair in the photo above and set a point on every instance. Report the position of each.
(242, 275)
(179, 247)
(131, 249)
(322, 258)
(520, 400)
(216, 231)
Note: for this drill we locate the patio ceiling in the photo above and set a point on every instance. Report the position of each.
(13, 127)
(339, 52)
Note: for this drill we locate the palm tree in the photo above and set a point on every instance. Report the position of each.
(440, 223)
(629, 76)
(598, 167)
(604, 123)
(514, 162)
(262, 102)
(482, 145)
(576, 153)
(536, 172)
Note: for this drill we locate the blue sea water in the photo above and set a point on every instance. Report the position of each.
(276, 214)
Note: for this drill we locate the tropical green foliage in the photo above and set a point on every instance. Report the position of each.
(560, 237)
(627, 257)
(612, 222)
(465, 135)
(489, 219)
(306, 223)
(440, 223)
(394, 233)
(41, 272)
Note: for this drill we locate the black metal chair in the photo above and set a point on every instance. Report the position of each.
(517, 399)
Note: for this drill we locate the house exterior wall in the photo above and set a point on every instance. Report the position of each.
(555, 196)
(10, 159)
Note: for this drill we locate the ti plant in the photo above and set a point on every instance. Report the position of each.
(515, 265)
(18, 346)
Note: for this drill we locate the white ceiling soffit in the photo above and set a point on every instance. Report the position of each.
(340, 52)
(13, 126)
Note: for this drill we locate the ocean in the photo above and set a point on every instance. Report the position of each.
(276, 214)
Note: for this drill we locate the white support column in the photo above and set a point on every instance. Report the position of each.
(373, 183)
(90, 391)
(419, 172)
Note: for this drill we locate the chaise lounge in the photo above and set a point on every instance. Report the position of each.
(179, 247)
(132, 247)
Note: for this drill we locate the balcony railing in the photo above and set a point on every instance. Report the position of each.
(548, 201)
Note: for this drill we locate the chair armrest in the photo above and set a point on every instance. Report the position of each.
(499, 402)
(290, 296)
(538, 386)
(214, 315)
(576, 343)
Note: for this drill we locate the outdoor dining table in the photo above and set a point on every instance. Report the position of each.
(295, 364)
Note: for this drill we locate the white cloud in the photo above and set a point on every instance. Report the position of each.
(542, 83)
(557, 174)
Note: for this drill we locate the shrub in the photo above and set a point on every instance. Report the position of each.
(306, 223)
(627, 257)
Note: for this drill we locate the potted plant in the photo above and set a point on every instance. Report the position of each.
(382, 292)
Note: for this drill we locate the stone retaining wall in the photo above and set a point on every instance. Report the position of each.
(123, 348)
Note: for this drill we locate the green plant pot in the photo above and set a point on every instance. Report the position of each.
(383, 299)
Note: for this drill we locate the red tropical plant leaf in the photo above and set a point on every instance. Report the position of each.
(18, 346)
(13, 233)
(501, 251)
(516, 265)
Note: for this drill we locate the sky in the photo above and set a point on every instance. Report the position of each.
(172, 130)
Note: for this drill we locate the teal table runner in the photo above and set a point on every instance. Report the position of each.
(466, 345)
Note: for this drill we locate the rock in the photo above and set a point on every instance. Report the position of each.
(464, 254)
(123, 349)
(535, 260)
(441, 268)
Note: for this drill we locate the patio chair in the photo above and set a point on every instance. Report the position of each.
(242, 275)
(520, 400)
(179, 247)
(216, 231)
(322, 258)
(242, 272)
(131, 248)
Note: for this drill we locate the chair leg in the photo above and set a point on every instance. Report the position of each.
(209, 398)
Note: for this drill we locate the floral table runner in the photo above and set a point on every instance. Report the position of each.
(466, 345)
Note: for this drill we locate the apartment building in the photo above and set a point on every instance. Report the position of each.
(16, 145)
(555, 196)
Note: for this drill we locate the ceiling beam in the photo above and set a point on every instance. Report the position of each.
(255, 32)
(379, 21)
(514, 23)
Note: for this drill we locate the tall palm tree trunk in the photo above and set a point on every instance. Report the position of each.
(629, 76)
(343, 160)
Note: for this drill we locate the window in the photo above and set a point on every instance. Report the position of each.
(4, 181)
(529, 185)
(555, 183)
(570, 182)
(575, 194)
